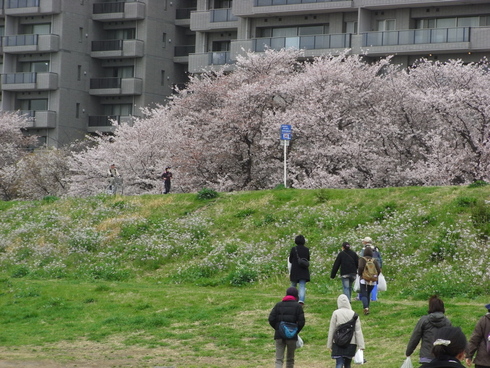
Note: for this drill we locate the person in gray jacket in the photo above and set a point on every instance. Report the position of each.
(426, 329)
(479, 343)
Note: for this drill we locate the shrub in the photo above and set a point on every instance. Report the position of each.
(242, 276)
(322, 195)
(465, 201)
(207, 193)
(478, 184)
(50, 199)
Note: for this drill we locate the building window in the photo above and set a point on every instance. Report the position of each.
(80, 34)
(77, 110)
(350, 27)
(79, 73)
(35, 67)
(164, 40)
(386, 25)
(162, 78)
(44, 28)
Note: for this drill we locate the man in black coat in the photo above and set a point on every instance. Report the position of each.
(288, 310)
(347, 260)
(299, 275)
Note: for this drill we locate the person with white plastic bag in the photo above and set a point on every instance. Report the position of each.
(407, 363)
(346, 261)
(344, 355)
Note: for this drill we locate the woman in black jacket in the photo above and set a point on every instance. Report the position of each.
(448, 348)
(347, 261)
(288, 310)
(299, 275)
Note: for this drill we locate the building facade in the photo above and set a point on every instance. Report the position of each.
(407, 29)
(74, 66)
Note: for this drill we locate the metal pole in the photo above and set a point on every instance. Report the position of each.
(285, 186)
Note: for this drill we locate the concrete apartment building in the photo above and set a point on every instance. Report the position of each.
(408, 29)
(74, 65)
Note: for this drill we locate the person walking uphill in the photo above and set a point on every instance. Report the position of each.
(368, 271)
(344, 313)
(299, 274)
(426, 329)
(480, 343)
(287, 310)
(347, 260)
(448, 348)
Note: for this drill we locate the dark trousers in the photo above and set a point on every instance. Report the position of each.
(366, 294)
(167, 186)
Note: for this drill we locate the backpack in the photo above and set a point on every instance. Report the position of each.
(344, 332)
(370, 273)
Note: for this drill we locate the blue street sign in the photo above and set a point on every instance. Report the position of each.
(286, 132)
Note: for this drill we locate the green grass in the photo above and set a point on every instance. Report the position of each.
(182, 281)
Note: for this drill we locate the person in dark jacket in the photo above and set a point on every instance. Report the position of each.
(167, 180)
(448, 348)
(365, 284)
(426, 329)
(479, 341)
(347, 261)
(288, 310)
(299, 275)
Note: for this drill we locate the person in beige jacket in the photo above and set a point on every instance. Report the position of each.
(344, 313)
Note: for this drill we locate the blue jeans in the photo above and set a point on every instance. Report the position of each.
(301, 290)
(347, 283)
(343, 362)
(366, 294)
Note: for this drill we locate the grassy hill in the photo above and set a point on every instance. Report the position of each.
(177, 280)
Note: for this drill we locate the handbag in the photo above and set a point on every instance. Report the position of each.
(299, 342)
(357, 284)
(288, 330)
(359, 357)
(407, 363)
(381, 282)
(303, 262)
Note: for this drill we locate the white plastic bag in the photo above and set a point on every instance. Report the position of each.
(359, 357)
(357, 284)
(381, 282)
(289, 265)
(299, 342)
(407, 363)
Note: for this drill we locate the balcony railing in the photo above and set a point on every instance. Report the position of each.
(104, 8)
(107, 45)
(21, 40)
(103, 120)
(219, 58)
(329, 41)
(289, 2)
(184, 50)
(13, 4)
(102, 83)
(222, 15)
(19, 78)
(184, 13)
(416, 36)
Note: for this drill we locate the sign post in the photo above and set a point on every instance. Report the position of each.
(286, 135)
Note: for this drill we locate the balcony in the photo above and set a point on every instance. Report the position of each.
(107, 123)
(116, 86)
(219, 19)
(40, 119)
(31, 43)
(109, 49)
(119, 11)
(316, 42)
(181, 53)
(257, 8)
(210, 61)
(2, 6)
(412, 41)
(23, 8)
(29, 81)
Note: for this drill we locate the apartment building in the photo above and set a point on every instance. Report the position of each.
(407, 29)
(75, 65)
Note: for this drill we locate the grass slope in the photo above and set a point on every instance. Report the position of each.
(176, 281)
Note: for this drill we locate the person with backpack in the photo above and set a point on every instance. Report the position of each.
(300, 273)
(480, 343)
(426, 329)
(287, 310)
(342, 353)
(368, 242)
(368, 271)
(347, 261)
